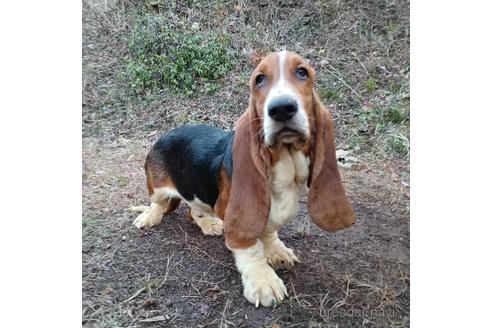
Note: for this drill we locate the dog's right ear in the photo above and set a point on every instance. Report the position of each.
(328, 204)
(248, 207)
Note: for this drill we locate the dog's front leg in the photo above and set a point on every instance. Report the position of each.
(276, 253)
(261, 285)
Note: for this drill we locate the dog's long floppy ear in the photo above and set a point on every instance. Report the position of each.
(248, 207)
(328, 204)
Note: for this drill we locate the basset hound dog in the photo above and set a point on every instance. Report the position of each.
(246, 183)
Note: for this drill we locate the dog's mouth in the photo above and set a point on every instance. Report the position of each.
(286, 131)
(290, 135)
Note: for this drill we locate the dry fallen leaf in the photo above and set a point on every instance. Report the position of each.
(344, 160)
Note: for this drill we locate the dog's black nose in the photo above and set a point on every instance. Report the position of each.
(282, 109)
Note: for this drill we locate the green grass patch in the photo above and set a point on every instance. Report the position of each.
(164, 54)
(399, 144)
(386, 127)
(327, 95)
(397, 115)
(371, 85)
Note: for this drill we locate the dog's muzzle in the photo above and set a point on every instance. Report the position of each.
(282, 109)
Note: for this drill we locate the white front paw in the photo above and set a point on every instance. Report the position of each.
(278, 255)
(263, 286)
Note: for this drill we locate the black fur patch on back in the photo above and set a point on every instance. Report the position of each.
(193, 156)
(227, 159)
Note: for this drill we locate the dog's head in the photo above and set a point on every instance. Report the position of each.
(284, 110)
(282, 96)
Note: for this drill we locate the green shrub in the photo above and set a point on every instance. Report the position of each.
(140, 75)
(163, 53)
(396, 115)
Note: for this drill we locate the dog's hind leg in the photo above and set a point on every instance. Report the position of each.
(163, 202)
(163, 196)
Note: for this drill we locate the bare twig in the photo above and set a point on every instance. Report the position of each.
(361, 63)
(138, 292)
(335, 73)
(154, 319)
(344, 301)
(165, 275)
(141, 290)
(295, 294)
(222, 318)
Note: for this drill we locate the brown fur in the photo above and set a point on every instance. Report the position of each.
(223, 199)
(247, 213)
(328, 205)
(157, 177)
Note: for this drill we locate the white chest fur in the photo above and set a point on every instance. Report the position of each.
(287, 181)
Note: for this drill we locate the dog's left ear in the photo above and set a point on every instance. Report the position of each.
(328, 204)
(248, 206)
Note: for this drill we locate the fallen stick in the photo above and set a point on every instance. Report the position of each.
(138, 292)
(154, 319)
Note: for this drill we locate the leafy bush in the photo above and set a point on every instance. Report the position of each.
(163, 53)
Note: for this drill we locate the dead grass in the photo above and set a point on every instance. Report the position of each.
(172, 275)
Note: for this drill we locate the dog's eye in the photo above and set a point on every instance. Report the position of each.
(260, 79)
(302, 73)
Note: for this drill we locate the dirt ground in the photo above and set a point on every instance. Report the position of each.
(173, 276)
